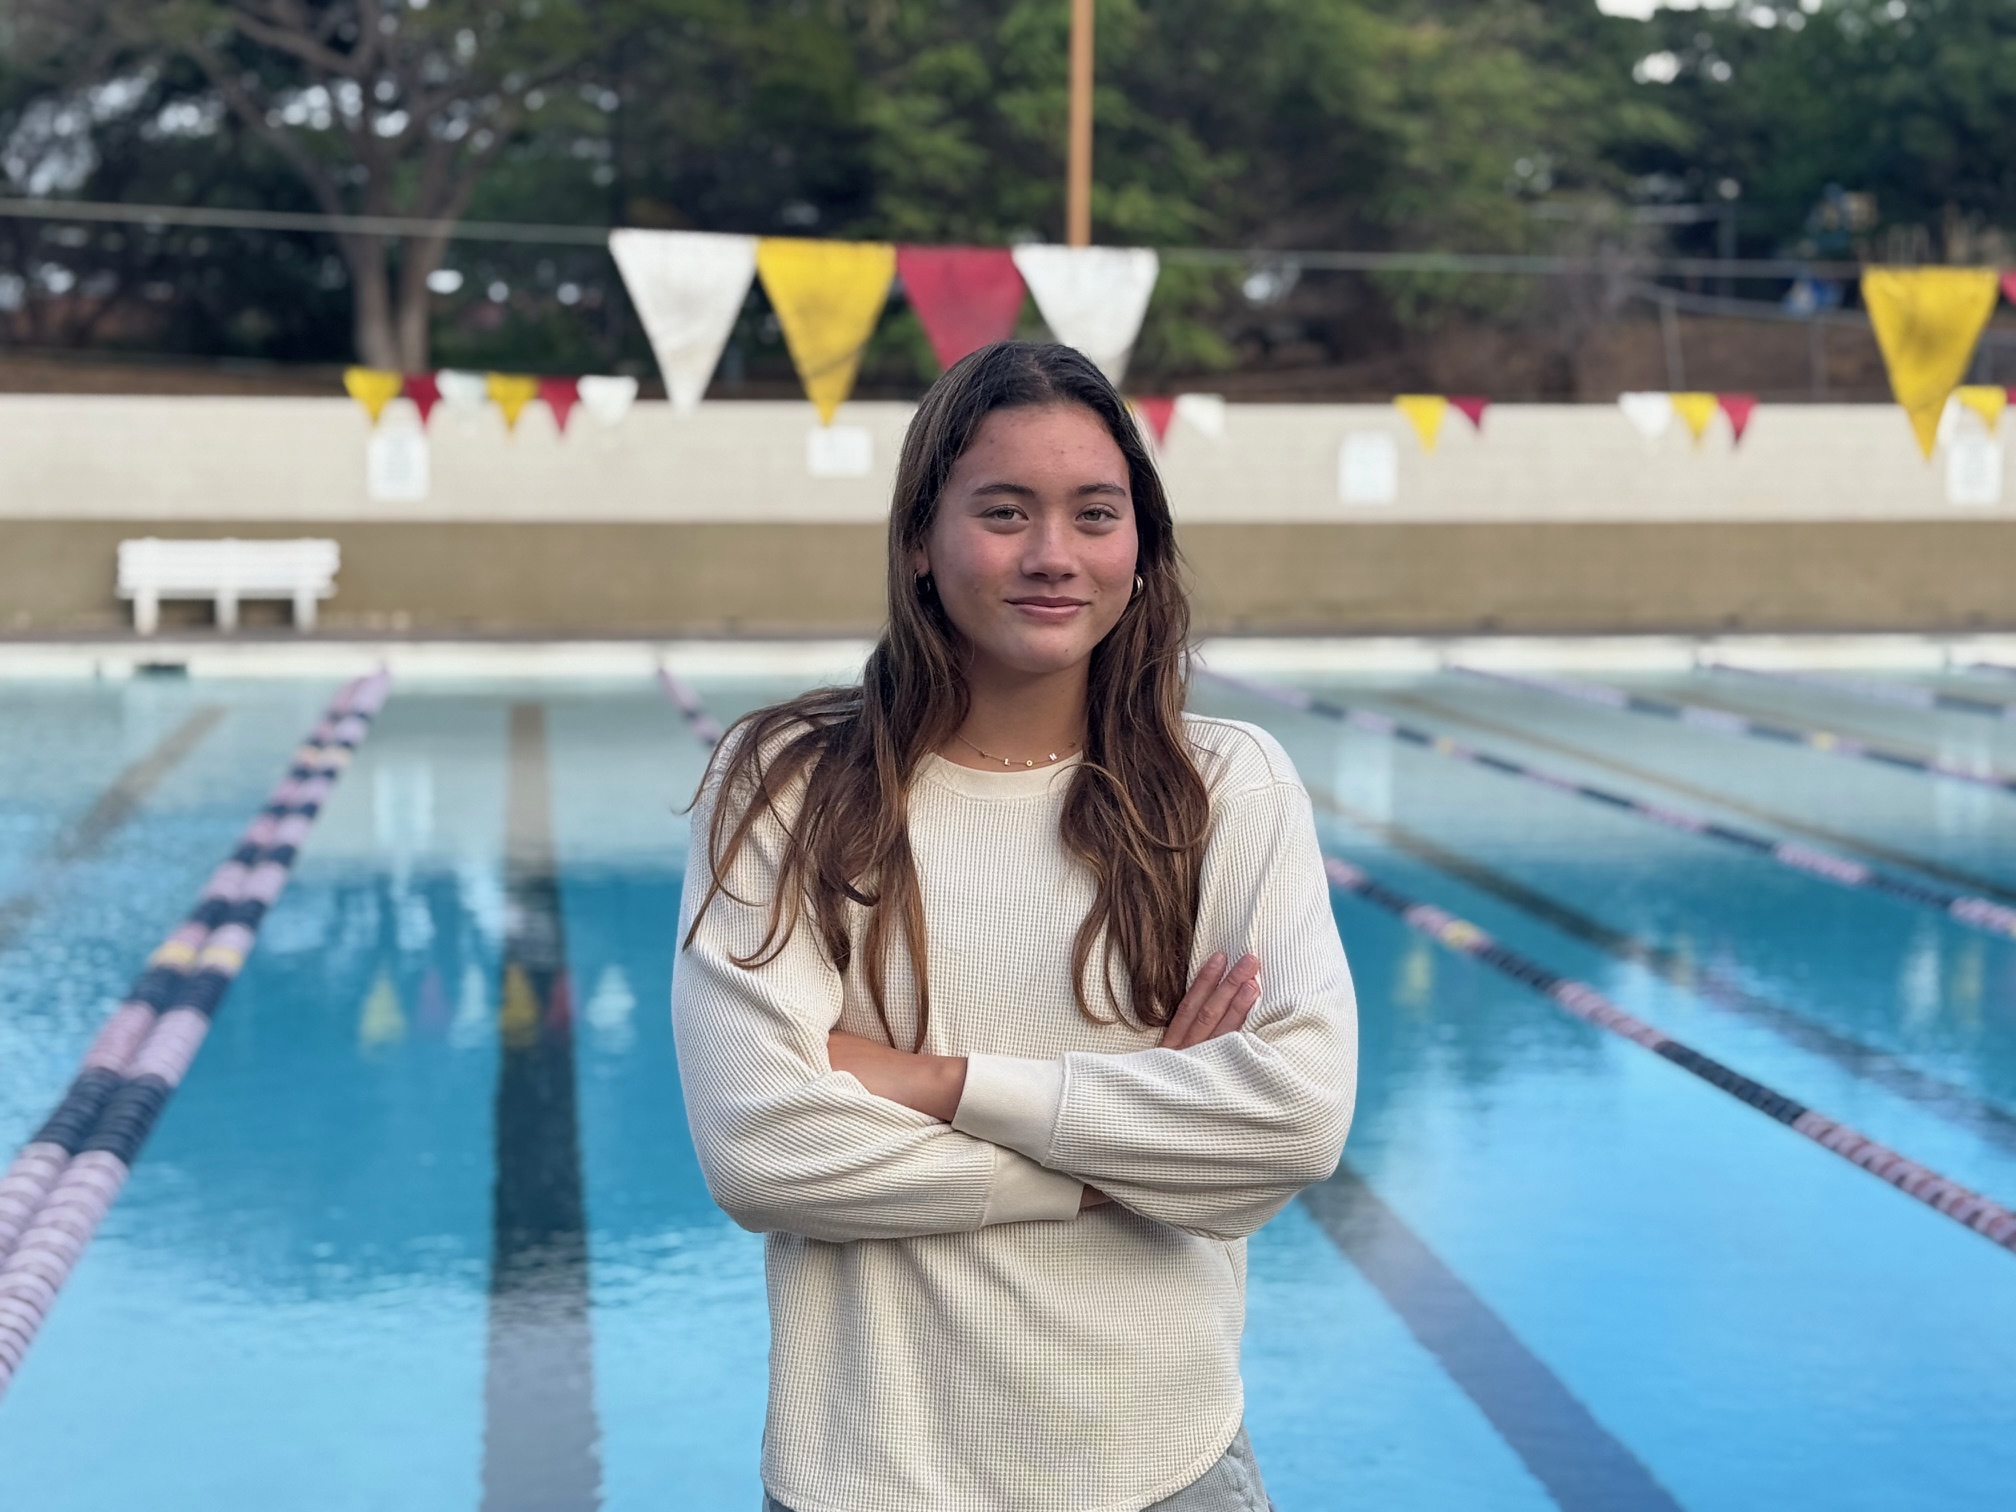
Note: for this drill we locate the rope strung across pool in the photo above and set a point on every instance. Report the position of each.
(1902, 694)
(705, 730)
(67, 1177)
(1967, 908)
(1945, 1196)
(1724, 722)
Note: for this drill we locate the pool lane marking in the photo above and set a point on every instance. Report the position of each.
(1582, 1465)
(86, 836)
(1969, 1208)
(541, 1433)
(1728, 722)
(1903, 695)
(1949, 1100)
(1960, 877)
(1977, 912)
(67, 1177)
(689, 704)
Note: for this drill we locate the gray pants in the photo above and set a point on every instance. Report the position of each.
(1232, 1484)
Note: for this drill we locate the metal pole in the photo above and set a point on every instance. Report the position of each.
(1078, 200)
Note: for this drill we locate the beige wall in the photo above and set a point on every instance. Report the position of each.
(1557, 519)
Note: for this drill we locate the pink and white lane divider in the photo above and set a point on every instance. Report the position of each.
(67, 1177)
(1989, 1219)
(704, 728)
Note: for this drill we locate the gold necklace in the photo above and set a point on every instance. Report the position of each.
(1005, 761)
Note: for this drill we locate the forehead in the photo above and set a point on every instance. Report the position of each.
(1064, 442)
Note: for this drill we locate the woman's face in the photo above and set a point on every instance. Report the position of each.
(1033, 547)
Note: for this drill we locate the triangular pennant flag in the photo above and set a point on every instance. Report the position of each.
(373, 388)
(383, 1020)
(1092, 298)
(688, 287)
(1739, 408)
(1697, 411)
(828, 296)
(560, 1004)
(1985, 400)
(518, 1016)
(1649, 413)
(965, 297)
(1156, 411)
(424, 392)
(607, 397)
(1424, 412)
(1203, 412)
(465, 394)
(561, 395)
(1927, 322)
(613, 1002)
(2009, 287)
(1471, 407)
(511, 394)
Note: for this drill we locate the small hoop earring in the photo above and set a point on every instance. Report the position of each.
(1138, 586)
(925, 587)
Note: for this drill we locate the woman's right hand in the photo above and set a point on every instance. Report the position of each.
(1217, 1002)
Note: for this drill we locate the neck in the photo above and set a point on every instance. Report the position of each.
(1021, 716)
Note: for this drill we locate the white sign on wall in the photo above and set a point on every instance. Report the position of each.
(1974, 470)
(396, 465)
(839, 451)
(1368, 468)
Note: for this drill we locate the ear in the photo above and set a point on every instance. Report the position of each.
(920, 562)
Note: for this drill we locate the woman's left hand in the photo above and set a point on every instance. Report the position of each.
(929, 1083)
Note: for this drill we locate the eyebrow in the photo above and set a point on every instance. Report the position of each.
(1024, 491)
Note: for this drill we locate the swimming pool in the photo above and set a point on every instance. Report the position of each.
(423, 1227)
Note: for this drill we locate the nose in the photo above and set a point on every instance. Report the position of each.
(1049, 554)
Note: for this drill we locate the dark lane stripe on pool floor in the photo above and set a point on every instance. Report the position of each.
(1949, 1100)
(1988, 886)
(84, 838)
(541, 1436)
(1583, 1467)
(1970, 1209)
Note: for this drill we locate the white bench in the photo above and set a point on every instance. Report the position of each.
(151, 569)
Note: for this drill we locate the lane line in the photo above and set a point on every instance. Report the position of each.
(1904, 695)
(1949, 1100)
(1930, 866)
(86, 836)
(1583, 1466)
(1968, 1208)
(67, 1177)
(1976, 912)
(1727, 722)
(541, 1433)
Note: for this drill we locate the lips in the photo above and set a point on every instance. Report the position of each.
(1050, 603)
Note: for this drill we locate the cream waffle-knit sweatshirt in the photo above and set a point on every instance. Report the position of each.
(948, 1332)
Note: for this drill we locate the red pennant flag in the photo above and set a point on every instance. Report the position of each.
(561, 395)
(1472, 407)
(423, 391)
(966, 297)
(1158, 412)
(2009, 287)
(1738, 408)
(560, 1004)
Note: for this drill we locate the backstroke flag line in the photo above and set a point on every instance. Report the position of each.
(1697, 411)
(965, 297)
(1092, 298)
(1927, 322)
(1649, 411)
(373, 388)
(828, 296)
(688, 287)
(1425, 413)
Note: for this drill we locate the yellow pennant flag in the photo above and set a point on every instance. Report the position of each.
(518, 1020)
(1424, 412)
(510, 393)
(384, 1020)
(1986, 400)
(828, 296)
(1927, 322)
(1696, 411)
(373, 388)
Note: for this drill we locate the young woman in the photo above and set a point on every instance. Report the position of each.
(971, 1013)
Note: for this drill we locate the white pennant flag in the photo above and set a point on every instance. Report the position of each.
(463, 395)
(1650, 413)
(1092, 298)
(1203, 412)
(607, 399)
(688, 287)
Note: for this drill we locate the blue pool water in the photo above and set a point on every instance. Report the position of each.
(1556, 1269)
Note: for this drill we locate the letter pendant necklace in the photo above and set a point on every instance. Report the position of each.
(1006, 761)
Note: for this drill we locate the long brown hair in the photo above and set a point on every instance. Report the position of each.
(1136, 812)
